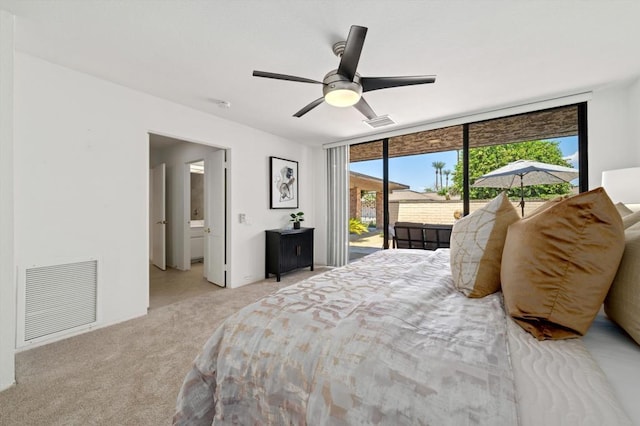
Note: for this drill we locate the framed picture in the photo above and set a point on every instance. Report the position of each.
(283, 183)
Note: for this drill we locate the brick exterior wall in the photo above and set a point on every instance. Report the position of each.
(355, 203)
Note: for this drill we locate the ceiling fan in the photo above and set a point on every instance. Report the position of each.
(343, 87)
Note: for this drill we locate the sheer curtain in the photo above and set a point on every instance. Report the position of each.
(338, 205)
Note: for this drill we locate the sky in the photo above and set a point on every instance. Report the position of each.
(417, 172)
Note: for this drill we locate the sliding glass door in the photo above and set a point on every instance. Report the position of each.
(425, 163)
(366, 199)
(551, 137)
(427, 177)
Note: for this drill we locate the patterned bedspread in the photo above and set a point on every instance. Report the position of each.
(385, 340)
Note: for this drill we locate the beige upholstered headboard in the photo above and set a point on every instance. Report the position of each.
(622, 186)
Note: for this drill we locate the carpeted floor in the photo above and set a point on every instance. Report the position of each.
(172, 285)
(129, 373)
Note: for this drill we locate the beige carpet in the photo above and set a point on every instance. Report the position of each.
(172, 285)
(129, 373)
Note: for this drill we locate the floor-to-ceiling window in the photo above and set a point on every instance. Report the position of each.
(551, 136)
(366, 201)
(426, 162)
(427, 176)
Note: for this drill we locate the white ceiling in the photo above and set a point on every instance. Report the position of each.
(486, 54)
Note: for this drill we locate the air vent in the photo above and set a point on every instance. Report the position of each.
(59, 298)
(381, 121)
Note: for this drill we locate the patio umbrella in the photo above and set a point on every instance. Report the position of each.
(526, 173)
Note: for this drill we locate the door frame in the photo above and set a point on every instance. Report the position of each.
(227, 189)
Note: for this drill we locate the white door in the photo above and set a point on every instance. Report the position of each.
(214, 217)
(158, 216)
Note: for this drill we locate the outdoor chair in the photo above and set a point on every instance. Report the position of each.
(422, 236)
(408, 235)
(437, 236)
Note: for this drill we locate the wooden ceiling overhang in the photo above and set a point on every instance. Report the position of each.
(540, 125)
(370, 183)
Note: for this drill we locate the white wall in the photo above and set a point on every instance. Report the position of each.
(613, 130)
(7, 267)
(175, 157)
(81, 178)
(251, 188)
(634, 117)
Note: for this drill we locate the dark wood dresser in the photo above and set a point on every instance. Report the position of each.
(288, 249)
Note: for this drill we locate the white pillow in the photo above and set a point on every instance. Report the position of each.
(476, 247)
(631, 219)
(622, 304)
(623, 209)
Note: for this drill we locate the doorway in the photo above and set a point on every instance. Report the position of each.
(207, 212)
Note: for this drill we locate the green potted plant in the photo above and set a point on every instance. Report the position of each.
(296, 218)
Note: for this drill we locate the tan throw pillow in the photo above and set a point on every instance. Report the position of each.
(476, 247)
(558, 265)
(622, 304)
(547, 204)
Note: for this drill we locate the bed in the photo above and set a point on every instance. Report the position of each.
(383, 341)
(391, 339)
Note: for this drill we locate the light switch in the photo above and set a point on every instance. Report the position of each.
(242, 218)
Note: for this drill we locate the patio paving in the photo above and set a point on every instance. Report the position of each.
(364, 244)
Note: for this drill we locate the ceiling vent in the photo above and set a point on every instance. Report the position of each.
(380, 121)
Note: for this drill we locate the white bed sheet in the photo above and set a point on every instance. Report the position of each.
(618, 355)
(559, 383)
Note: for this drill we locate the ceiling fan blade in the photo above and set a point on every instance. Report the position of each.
(284, 77)
(352, 50)
(365, 109)
(377, 83)
(309, 107)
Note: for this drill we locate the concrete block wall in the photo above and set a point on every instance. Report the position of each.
(441, 212)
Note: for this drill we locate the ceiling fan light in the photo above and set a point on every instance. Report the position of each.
(342, 98)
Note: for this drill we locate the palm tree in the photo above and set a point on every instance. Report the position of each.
(446, 174)
(435, 165)
(438, 165)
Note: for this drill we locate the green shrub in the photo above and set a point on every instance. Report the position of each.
(356, 226)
